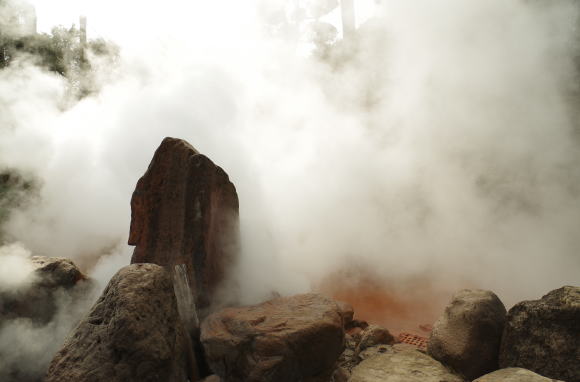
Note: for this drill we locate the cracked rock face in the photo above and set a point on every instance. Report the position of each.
(184, 210)
(132, 333)
(284, 340)
(544, 335)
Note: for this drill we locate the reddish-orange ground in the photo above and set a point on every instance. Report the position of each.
(406, 306)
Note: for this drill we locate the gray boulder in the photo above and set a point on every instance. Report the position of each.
(404, 366)
(289, 339)
(53, 279)
(514, 374)
(37, 315)
(132, 333)
(468, 334)
(544, 335)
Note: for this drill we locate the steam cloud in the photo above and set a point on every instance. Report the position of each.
(445, 148)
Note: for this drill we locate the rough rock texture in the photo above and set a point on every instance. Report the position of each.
(132, 333)
(405, 366)
(467, 336)
(296, 338)
(184, 210)
(372, 341)
(52, 278)
(57, 271)
(374, 335)
(514, 374)
(544, 335)
(347, 359)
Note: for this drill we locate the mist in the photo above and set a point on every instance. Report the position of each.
(436, 150)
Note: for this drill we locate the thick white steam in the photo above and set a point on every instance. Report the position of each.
(444, 148)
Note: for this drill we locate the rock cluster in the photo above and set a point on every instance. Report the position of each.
(184, 226)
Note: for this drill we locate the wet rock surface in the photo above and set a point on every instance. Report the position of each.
(184, 210)
(132, 333)
(544, 335)
(468, 335)
(296, 338)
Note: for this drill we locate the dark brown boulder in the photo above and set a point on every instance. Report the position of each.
(184, 210)
(544, 335)
(290, 339)
(468, 334)
(132, 333)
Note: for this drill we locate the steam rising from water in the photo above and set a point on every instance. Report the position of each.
(444, 148)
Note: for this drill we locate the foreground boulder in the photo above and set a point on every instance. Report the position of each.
(544, 335)
(514, 374)
(288, 339)
(468, 335)
(132, 333)
(404, 366)
(184, 210)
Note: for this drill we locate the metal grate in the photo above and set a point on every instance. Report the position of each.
(413, 339)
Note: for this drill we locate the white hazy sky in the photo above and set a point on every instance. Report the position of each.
(110, 17)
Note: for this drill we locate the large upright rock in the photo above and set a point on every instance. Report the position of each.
(184, 210)
(544, 335)
(132, 333)
(467, 336)
(290, 339)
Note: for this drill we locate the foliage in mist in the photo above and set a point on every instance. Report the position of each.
(63, 53)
